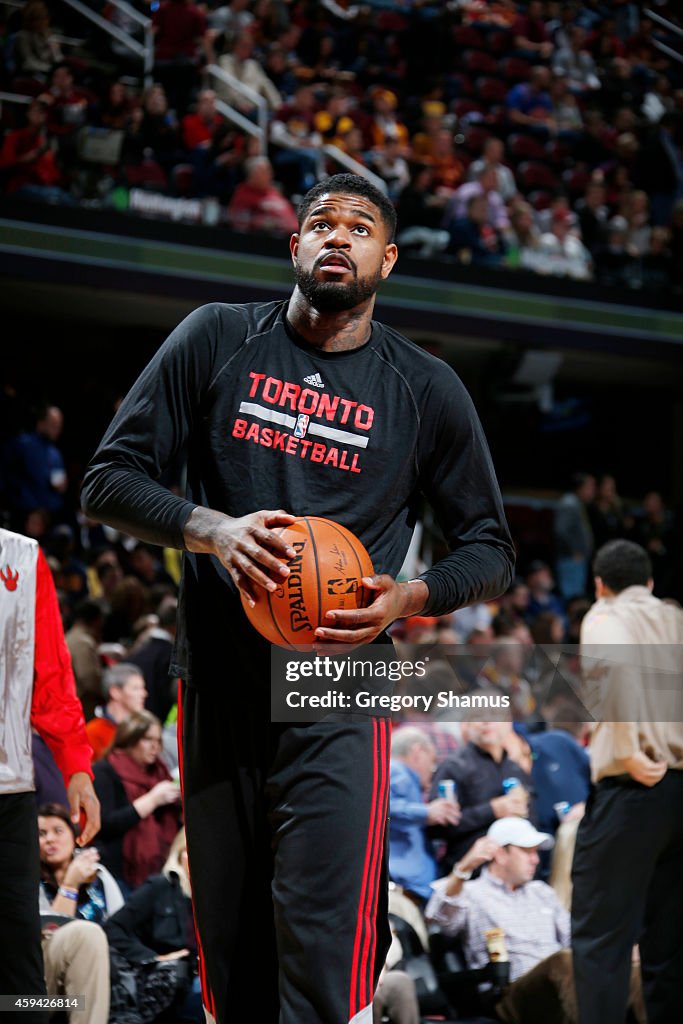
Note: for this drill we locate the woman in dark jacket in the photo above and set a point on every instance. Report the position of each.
(139, 801)
(156, 926)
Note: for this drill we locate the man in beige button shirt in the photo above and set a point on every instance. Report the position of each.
(628, 862)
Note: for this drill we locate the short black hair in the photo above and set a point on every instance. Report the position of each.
(88, 611)
(621, 564)
(355, 185)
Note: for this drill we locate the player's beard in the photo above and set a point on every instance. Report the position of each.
(333, 296)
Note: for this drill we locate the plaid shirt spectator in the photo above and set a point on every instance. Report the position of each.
(533, 919)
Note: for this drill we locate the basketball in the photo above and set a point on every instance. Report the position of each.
(325, 575)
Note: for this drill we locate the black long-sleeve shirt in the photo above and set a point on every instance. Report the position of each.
(479, 779)
(270, 422)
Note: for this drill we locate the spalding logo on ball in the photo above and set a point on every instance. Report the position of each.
(325, 575)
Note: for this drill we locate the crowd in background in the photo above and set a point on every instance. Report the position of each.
(538, 135)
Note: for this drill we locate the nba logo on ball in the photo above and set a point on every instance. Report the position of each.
(325, 574)
(301, 425)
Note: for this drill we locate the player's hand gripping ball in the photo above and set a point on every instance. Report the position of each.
(325, 575)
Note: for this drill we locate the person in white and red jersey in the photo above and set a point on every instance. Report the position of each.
(37, 691)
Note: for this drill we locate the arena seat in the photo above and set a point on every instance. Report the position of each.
(525, 147)
(468, 37)
(478, 62)
(515, 69)
(490, 90)
(475, 137)
(532, 174)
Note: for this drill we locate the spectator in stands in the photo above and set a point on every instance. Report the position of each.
(535, 925)
(297, 158)
(76, 957)
(139, 802)
(108, 575)
(657, 270)
(593, 214)
(68, 570)
(503, 672)
(496, 215)
(531, 37)
(385, 124)
(198, 128)
(278, 70)
(562, 252)
(337, 116)
(153, 127)
(478, 770)
(411, 861)
(432, 122)
(606, 511)
(36, 49)
(524, 237)
(73, 881)
(153, 658)
(27, 160)
(351, 142)
(34, 471)
(561, 767)
(614, 264)
(561, 17)
(473, 239)
(124, 691)
(240, 63)
(390, 164)
(658, 100)
(128, 603)
(656, 531)
(529, 104)
(257, 205)
(636, 209)
(476, 616)
(118, 106)
(492, 156)
(147, 566)
(230, 19)
(577, 64)
(156, 926)
(542, 594)
(449, 170)
(420, 211)
(567, 112)
(574, 540)
(179, 37)
(82, 640)
(69, 107)
(418, 204)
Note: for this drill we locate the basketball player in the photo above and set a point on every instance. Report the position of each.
(305, 406)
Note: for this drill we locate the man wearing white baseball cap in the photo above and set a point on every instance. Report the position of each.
(506, 897)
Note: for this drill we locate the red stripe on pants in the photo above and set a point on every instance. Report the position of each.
(207, 995)
(365, 938)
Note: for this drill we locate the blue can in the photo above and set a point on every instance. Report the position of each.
(561, 808)
(510, 783)
(448, 789)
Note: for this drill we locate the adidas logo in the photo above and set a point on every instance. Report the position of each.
(315, 379)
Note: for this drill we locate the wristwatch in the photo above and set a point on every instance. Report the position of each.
(464, 876)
